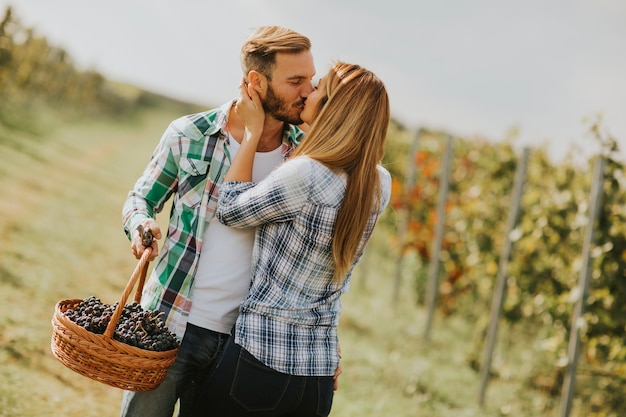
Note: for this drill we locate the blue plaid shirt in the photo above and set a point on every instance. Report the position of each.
(289, 319)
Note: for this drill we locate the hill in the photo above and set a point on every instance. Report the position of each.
(61, 237)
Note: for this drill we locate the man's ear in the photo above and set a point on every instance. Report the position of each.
(258, 81)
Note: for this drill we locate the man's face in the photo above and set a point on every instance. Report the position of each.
(289, 87)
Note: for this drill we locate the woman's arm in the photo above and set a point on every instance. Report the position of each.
(250, 110)
(278, 198)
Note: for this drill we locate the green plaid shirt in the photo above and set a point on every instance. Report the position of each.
(189, 163)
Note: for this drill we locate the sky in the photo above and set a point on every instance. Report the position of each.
(472, 68)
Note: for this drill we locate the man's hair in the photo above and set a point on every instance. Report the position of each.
(259, 51)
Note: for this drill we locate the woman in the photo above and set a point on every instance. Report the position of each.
(314, 215)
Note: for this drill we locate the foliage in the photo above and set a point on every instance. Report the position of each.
(33, 71)
(61, 238)
(36, 77)
(542, 274)
(545, 264)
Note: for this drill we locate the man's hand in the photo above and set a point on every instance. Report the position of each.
(136, 244)
(336, 377)
(338, 371)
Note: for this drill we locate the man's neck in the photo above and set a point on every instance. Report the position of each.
(272, 135)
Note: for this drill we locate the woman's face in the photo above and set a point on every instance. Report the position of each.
(313, 103)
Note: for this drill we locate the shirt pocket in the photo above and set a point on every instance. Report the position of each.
(193, 175)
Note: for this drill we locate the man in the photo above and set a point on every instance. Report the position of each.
(203, 272)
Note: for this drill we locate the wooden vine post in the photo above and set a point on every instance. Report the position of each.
(435, 259)
(405, 216)
(500, 285)
(569, 382)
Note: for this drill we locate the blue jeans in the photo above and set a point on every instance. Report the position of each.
(198, 350)
(240, 385)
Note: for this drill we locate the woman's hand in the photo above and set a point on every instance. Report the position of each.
(250, 110)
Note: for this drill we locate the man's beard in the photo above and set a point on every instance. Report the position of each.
(277, 108)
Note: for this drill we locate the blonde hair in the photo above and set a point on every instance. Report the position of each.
(349, 135)
(260, 49)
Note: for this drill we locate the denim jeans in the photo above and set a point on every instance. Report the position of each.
(241, 385)
(198, 350)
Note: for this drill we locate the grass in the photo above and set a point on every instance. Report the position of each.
(391, 369)
(61, 237)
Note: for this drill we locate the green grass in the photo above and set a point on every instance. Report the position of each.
(390, 369)
(61, 237)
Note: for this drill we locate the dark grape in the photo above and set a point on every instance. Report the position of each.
(135, 327)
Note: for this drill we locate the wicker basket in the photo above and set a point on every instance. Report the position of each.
(99, 356)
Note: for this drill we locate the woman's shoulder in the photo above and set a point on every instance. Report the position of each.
(385, 176)
(301, 165)
(385, 185)
(383, 171)
(314, 175)
(305, 166)
(296, 172)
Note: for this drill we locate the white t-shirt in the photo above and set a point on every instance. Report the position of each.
(223, 277)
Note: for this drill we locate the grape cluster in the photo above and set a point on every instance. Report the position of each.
(136, 327)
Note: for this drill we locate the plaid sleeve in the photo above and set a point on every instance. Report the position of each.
(278, 198)
(154, 187)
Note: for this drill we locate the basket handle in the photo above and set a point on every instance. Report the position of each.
(146, 239)
(138, 274)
